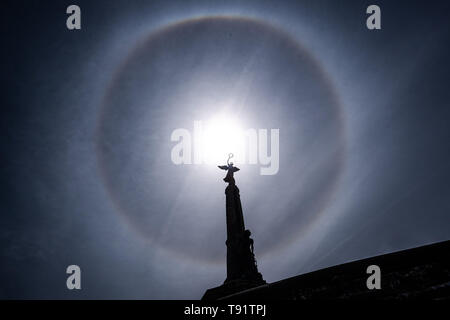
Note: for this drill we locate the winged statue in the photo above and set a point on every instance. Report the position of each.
(230, 170)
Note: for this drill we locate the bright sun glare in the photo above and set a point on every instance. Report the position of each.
(221, 136)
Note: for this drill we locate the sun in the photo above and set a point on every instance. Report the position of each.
(222, 135)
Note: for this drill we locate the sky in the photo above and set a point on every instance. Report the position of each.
(87, 117)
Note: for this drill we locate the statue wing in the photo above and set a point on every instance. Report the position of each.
(223, 167)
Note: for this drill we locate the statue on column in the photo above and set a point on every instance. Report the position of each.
(241, 262)
(242, 270)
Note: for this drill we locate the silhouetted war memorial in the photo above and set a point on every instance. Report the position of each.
(242, 271)
(419, 273)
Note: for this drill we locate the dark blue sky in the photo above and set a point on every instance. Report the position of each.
(87, 115)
